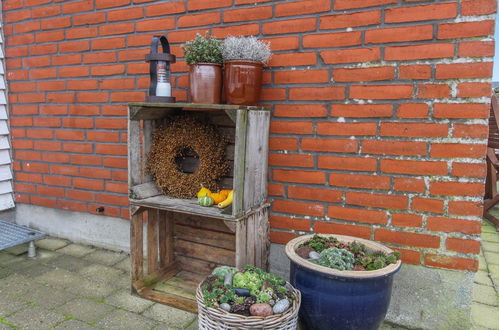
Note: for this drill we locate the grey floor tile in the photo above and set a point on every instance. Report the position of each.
(85, 309)
(51, 243)
(105, 257)
(123, 320)
(171, 316)
(76, 250)
(72, 324)
(35, 317)
(124, 299)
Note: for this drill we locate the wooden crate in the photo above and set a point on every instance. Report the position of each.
(183, 241)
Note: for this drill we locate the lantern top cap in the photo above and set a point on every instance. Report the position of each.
(165, 45)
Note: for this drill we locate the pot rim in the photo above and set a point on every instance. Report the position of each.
(205, 63)
(244, 62)
(294, 243)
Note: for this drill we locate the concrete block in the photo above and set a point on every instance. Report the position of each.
(120, 319)
(35, 317)
(85, 309)
(123, 299)
(171, 316)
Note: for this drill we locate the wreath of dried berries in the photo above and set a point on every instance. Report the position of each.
(169, 142)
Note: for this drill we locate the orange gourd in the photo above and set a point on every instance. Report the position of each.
(217, 197)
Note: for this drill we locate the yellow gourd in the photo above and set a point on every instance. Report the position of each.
(217, 197)
(203, 192)
(227, 201)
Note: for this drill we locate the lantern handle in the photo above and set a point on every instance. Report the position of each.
(165, 45)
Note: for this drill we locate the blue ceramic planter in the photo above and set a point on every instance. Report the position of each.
(332, 299)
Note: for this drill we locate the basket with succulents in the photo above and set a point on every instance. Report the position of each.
(246, 299)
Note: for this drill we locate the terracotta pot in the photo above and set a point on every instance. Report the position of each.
(243, 82)
(205, 83)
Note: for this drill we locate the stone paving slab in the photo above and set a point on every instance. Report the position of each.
(36, 318)
(68, 262)
(74, 325)
(106, 274)
(491, 257)
(86, 310)
(485, 295)
(105, 257)
(46, 296)
(123, 320)
(125, 300)
(76, 250)
(9, 305)
(171, 316)
(51, 243)
(485, 316)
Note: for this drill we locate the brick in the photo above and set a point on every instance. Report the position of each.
(407, 148)
(55, 23)
(102, 136)
(281, 237)
(128, 96)
(108, 43)
(81, 32)
(351, 55)
(287, 127)
(452, 188)
(45, 11)
(115, 162)
(111, 123)
(376, 182)
(478, 7)
(50, 191)
(247, 14)
(358, 215)
(342, 229)
(28, 177)
(414, 72)
(377, 200)
(476, 48)
(293, 59)
(53, 109)
(338, 39)
(361, 110)
(57, 180)
(244, 30)
(112, 199)
(351, 4)
(443, 261)
(283, 43)
(301, 76)
(274, 189)
(421, 13)
(35, 167)
(46, 122)
(414, 129)
(100, 4)
(163, 9)
(465, 30)
(273, 94)
(26, 27)
(84, 110)
(121, 188)
(277, 221)
(465, 208)
(461, 110)
(167, 23)
(315, 194)
(347, 163)
(329, 145)
(202, 4)
(407, 220)
(457, 150)
(42, 201)
(449, 225)
(302, 7)
(419, 52)
(364, 74)
(300, 110)
(51, 85)
(399, 34)
(462, 245)
(474, 89)
(434, 91)
(409, 184)
(290, 26)
(132, 55)
(245, 2)
(74, 46)
(409, 256)
(407, 238)
(74, 71)
(116, 28)
(278, 143)
(317, 177)
(78, 6)
(332, 128)
(88, 184)
(111, 149)
(464, 70)
(293, 160)
(92, 18)
(469, 170)
(381, 92)
(20, 110)
(23, 39)
(108, 69)
(63, 170)
(412, 110)
(295, 207)
(317, 93)
(413, 167)
(66, 59)
(345, 20)
(16, 51)
(70, 135)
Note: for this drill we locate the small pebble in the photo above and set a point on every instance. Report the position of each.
(261, 310)
(225, 307)
(228, 279)
(314, 255)
(281, 306)
(242, 292)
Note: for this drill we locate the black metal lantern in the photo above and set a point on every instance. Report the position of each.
(159, 64)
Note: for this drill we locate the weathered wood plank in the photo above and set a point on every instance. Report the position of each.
(201, 223)
(204, 252)
(202, 236)
(166, 249)
(171, 299)
(145, 190)
(136, 247)
(239, 161)
(152, 240)
(134, 175)
(201, 267)
(241, 243)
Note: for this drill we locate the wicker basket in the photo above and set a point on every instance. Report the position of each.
(211, 318)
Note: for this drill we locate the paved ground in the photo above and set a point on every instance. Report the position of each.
(72, 286)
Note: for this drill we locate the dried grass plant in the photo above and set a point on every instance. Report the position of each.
(246, 48)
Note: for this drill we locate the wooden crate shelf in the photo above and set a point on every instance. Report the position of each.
(180, 240)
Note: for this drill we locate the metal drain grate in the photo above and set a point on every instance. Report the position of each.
(12, 235)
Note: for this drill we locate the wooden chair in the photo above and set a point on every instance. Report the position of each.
(491, 196)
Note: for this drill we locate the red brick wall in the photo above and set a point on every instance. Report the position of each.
(379, 109)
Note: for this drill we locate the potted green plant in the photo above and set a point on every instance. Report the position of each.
(249, 298)
(204, 56)
(346, 282)
(244, 58)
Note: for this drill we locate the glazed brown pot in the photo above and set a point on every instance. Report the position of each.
(205, 83)
(242, 82)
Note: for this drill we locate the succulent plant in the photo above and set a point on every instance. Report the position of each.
(203, 49)
(340, 259)
(246, 48)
